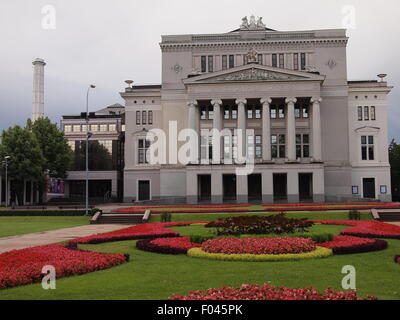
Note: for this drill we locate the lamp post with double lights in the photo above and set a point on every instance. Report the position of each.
(88, 135)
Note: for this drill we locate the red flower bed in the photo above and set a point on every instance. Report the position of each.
(178, 245)
(367, 229)
(348, 244)
(142, 231)
(267, 292)
(20, 267)
(280, 245)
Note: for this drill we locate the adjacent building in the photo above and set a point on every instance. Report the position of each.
(316, 135)
(106, 149)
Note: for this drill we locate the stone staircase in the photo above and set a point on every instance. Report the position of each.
(123, 218)
(386, 215)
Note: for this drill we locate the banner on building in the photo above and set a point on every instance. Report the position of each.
(55, 187)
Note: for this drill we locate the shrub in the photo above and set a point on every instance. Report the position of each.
(200, 238)
(45, 213)
(320, 252)
(354, 215)
(268, 292)
(348, 244)
(281, 245)
(166, 217)
(397, 259)
(277, 224)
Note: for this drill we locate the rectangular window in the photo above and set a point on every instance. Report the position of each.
(366, 113)
(278, 146)
(249, 112)
(94, 127)
(138, 122)
(258, 112)
(72, 145)
(224, 62)
(274, 60)
(281, 60)
(84, 128)
(226, 113)
(297, 111)
(112, 127)
(281, 112)
(67, 128)
(296, 61)
(258, 146)
(203, 64)
(76, 128)
(150, 117)
(144, 117)
(302, 146)
(210, 64)
(210, 114)
(303, 61)
(360, 113)
(260, 58)
(273, 112)
(203, 113)
(373, 113)
(231, 61)
(143, 146)
(367, 148)
(305, 111)
(234, 113)
(103, 128)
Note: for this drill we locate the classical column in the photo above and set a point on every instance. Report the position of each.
(316, 129)
(1, 193)
(291, 129)
(241, 124)
(193, 122)
(217, 124)
(266, 129)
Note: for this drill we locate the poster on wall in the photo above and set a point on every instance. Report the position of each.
(55, 187)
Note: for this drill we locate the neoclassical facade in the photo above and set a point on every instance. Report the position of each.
(313, 134)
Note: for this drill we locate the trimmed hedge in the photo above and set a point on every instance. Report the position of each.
(45, 213)
(320, 252)
(146, 245)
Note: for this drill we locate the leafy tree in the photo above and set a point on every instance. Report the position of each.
(26, 158)
(55, 149)
(394, 159)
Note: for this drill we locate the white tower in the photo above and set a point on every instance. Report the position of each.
(38, 89)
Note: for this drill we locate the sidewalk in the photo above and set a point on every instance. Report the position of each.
(54, 236)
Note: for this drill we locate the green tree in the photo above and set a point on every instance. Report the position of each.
(394, 159)
(26, 158)
(55, 149)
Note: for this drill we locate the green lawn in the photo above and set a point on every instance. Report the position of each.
(11, 226)
(157, 276)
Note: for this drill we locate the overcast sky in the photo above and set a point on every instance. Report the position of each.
(106, 42)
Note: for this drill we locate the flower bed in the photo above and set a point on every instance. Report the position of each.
(319, 252)
(20, 267)
(178, 245)
(281, 245)
(397, 259)
(348, 244)
(142, 231)
(276, 224)
(268, 292)
(367, 229)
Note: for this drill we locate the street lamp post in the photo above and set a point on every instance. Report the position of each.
(88, 135)
(6, 158)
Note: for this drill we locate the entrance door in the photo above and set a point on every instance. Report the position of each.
(144, 190)
(204, 184)
(369, 188)
(280, 186)
(229, 187)
(305, 186)
(254, 187)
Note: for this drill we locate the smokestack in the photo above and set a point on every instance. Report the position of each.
(38, 89)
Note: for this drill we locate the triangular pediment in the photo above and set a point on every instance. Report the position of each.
(254, 73)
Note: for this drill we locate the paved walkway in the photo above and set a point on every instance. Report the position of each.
(54, 236)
